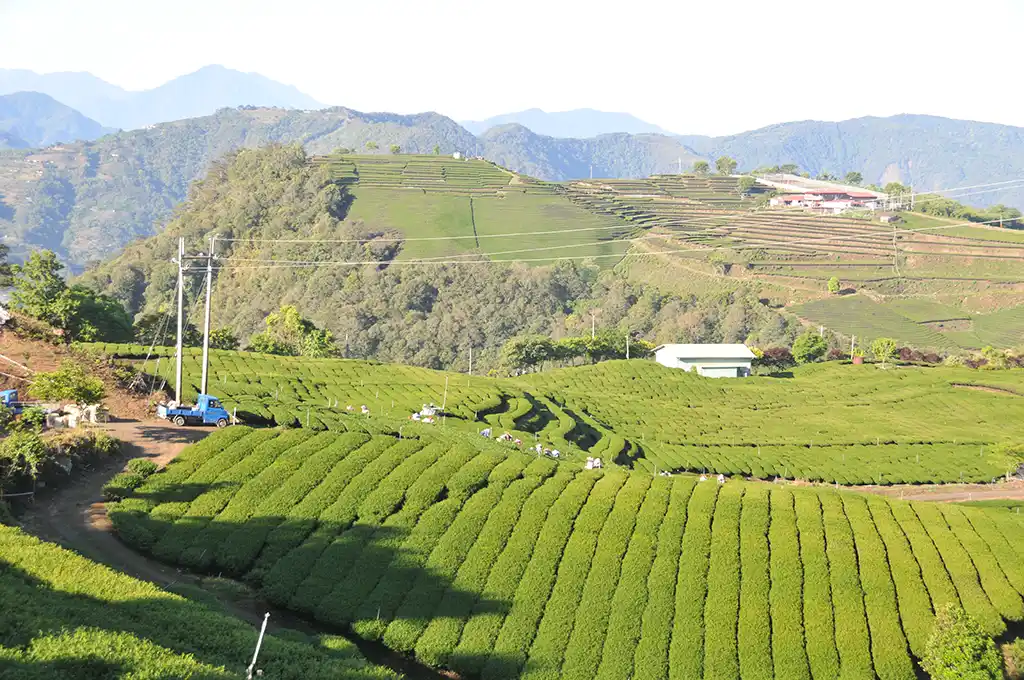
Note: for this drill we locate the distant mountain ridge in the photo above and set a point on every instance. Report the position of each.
(576, 124)
(94, 197)
(32, 119)
(195, 94)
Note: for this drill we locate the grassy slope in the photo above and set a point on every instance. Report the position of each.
(482, 560)
(67, 617)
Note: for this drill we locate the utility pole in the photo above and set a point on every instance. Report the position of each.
(853, 345)
(471, 359)
(627, 344)
(680, 161)
(259, 643)
(593, 326)
(181, 318)
(206, 319)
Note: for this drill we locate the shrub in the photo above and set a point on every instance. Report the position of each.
(122, 485)
(884, 350)
(777, 358)
(809, 347)
(142, 466)
(68, 383)
(835, 354)
(958, 648)
(834, 285)
(1015, 656)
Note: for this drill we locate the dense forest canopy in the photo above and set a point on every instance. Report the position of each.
(428, 315)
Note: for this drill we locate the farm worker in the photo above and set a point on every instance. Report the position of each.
(486, 432)
(415, 416)
(538, 448)
(721, 479)
(703, 478)
(518, 442)
(555, 454)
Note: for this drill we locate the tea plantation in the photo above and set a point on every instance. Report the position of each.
(497, 564)
(832, 422)
(67, 617)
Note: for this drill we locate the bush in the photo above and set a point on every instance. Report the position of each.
(835, 354)
(122, 485)
(809, 347)
(32, 420)
(1015, 656)
(142, 466)
(68, 383)
(959, 649)
(776, 359)
(884, 350)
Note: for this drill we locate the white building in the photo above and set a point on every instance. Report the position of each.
(712, 361)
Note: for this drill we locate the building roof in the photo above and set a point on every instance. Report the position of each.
(736, 351)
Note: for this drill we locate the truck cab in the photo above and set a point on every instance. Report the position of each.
(9, 398)
(207, 411)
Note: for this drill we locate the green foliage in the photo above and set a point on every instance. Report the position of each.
(223, 338)
(884, 350)
(68, 617)
(853, 177)
(1015, 657)
(701, 168)
(372, 146)
(745, 184)
(69, 383)
(395, 149)
(809, 347)
(495, 564)
(289, 334)
(121, 486)
(437, 150)
(141, 466)
(833, 285)
(21, 455)
(725, 165)
(40, 292)
(960, 650)
(32, 419)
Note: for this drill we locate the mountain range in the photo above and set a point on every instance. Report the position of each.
(195, 94)
(32, 119)
(578, 123)
(87, 199)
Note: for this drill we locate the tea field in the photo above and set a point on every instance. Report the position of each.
(476, 557)
(67, 617)
(832, 422)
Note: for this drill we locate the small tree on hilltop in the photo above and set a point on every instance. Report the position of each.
(854, 178)
(833, 285)
(884, 350)
(437, 149)
(746, 184)
(222, 338)
(701, 168)
(372, 146)
(70, 382)
(396, 149)
(958, 649)
(809, 347)
(725, 165)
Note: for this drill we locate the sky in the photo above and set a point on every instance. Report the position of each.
(690, 67)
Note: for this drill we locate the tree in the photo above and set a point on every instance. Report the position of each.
(527, 351)
(789, 168)
(884, 350)
(853, 177)
(70, 382)
(38, 285)
(701, 168)
(809, 347)
(833, 285)
(40, 292)
(288, 334)
(396, 149)
(746, 184)
(223, 338)
(958, 648)
(725, 165)
(372, 146)
(437, 149)
(895, 189)
(827, 176)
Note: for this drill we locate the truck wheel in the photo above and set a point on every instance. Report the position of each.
(222, 422)
(179, 420)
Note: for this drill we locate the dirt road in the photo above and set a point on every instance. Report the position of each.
(950, 492)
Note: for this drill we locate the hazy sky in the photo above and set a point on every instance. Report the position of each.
(691, 67)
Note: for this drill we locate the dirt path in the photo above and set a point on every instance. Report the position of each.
(950, 492)
(75, 517)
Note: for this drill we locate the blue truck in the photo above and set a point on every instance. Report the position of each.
(9, 398)
(207, 411)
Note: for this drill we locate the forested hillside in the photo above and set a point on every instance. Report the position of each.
(425, 315)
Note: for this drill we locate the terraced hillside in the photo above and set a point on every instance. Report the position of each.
(503, 565)
(67, 617)
(859, 424)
